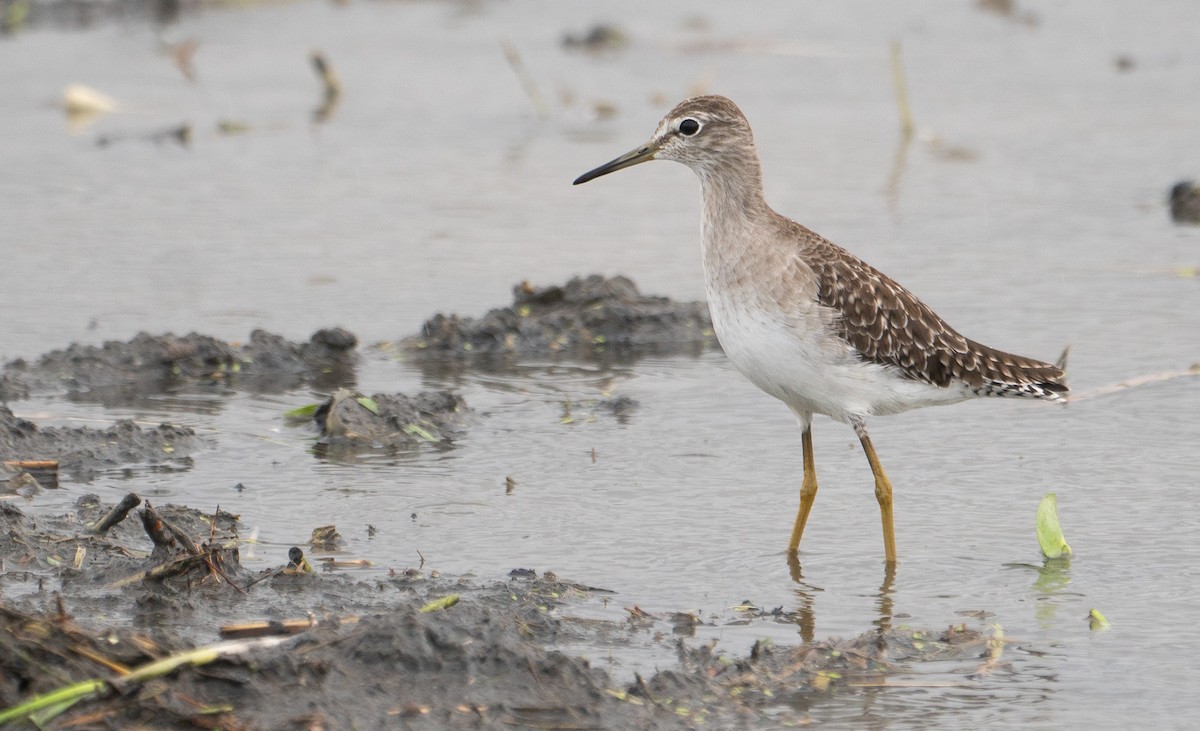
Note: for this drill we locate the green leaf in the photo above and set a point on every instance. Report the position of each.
(302, 412)
(417, 431)
(1049, 532)
(1096, 620)
(368, 403)
(443, 603)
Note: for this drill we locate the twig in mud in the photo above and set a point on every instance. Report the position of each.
(331, 84)
(354, 563)
(907, 128)
(900, 82)
(112, 665)
(42, 472)
(213, 565)
(527, 82)
(117, 514)
(272, 627)
(184, 539)
(1191, 371)
(32, 464)
(212, 527)
(154, 526)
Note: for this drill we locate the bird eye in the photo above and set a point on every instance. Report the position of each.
(689, 127)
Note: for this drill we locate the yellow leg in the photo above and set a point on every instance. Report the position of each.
(883, 493)
(808, 491)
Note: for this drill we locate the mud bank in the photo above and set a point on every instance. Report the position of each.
(83, 451)
(123, 372)
(414, 650)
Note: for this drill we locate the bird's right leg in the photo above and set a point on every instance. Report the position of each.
(808, 487)
(883, 492)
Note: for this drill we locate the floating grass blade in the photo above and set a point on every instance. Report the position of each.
(301, 412)
(1049, 532)
(416, 431)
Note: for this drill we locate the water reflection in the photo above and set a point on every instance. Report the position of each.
(884, 602)
(805, 614)
(1054, 575)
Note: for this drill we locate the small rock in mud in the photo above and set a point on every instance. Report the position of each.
(349, 420)
(590, 317)
(123, 372)
(598, 38)
(83, 451)
(1185, 202)
(620, 407)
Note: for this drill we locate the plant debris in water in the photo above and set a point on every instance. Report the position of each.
(349, 421)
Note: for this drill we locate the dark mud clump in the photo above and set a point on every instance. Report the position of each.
(352, 421)
(122, 372)
(1184, 200)
(82, 451)
(591, 317)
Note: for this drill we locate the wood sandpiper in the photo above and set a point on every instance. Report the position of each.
(807, 321)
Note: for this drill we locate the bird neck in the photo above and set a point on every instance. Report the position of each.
(734, 220)
(732, 199)
(731, 188)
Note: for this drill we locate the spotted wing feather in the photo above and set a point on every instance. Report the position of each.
(888, 325)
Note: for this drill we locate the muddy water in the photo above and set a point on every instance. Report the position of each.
(1030, 211)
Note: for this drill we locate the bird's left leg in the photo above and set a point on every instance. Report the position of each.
(883, 492)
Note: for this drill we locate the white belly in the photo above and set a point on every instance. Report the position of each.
(795, 359)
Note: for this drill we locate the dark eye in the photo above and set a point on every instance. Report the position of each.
(689, 127)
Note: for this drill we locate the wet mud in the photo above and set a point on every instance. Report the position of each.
(81, 452)
(414, 650)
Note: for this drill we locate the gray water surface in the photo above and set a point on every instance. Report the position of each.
(1029, 211)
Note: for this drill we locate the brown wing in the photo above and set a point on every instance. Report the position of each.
(888, 325)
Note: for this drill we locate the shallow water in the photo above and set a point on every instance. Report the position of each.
(435, 187)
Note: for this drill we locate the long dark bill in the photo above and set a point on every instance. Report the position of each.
(641, 154)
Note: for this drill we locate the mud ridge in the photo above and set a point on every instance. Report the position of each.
(122, 372)
(592, 317)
